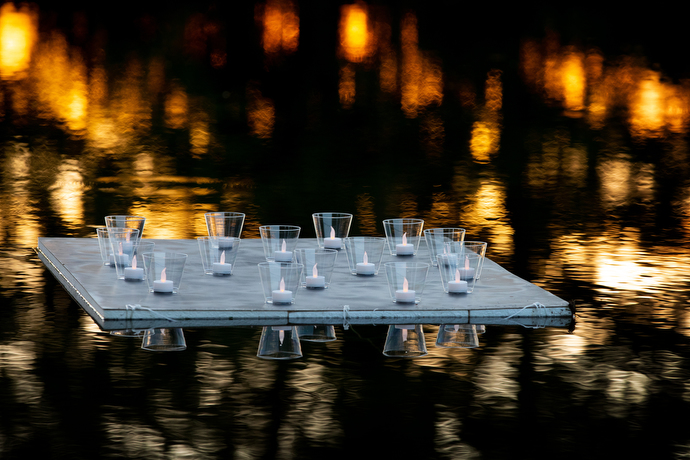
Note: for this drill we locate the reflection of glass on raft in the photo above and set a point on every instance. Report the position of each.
(405, 341)
(318, 333)
(457, 336)
(164, 339)
(279, 342)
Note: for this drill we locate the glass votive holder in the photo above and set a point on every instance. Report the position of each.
(164, 339)
(403, 235)
(331, 228)
(136, 271)
(224, 224)
(364, 254)
(122, 244)
(405, 341)
(437, 239)
(406, 281)
(316, 333)
(318, 267)
(280, 281)
(122, 221)
(478, 247)
(279, 241)
(218, 254)
(164, 271)
(279, 342)
(458, 272)
(104, 246)
(457, 336)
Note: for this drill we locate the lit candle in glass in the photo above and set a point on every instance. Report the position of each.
(221, 268)
(281, 295)
(163, 285)
(364, 267)
(316, 281)
(404, 249)
(457, 286)
(405, 295)
(283, 255)
(133, 273)
(332, 242)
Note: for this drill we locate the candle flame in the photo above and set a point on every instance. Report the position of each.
(332, 233)
(314, 271)
(163, 278)
(281, 336)
(120, 248)
(222, 257)
(365, 259)
(405, 284)
(284, 246)
(457, 275)
(134, 262)
(404, 238)
(282, 284)
(467, 263)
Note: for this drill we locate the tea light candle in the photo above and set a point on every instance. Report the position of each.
(121, 258)
(163, 285)
(364, 267)
(466, 273)
(332, 242)
(281, 295)
(316, 281)
(133, 273)
(221, 268)
(457, 286)
(404, 295)
(404, 249)
(283, 255)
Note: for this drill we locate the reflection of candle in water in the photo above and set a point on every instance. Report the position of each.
(283, 255)
(364, 267)
(457, 286)
(163, 285)
(133, 273)
(221, 268)
(332, 242)
(281, 295)
(404, 249)
(404, 295)
(316, 281)
(281, 336)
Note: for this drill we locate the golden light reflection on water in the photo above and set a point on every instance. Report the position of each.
(366, 216)
(176, 107)
(17, 37)
(497, 382)
(280, 21)
(67, 193)
(485, 217)
(579, 81)
(261, 114)
(357, 40)
(346, 86)
(486, 132)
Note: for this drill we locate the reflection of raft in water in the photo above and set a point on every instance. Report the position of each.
(207, 301)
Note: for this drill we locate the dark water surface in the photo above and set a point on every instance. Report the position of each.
(559, 136)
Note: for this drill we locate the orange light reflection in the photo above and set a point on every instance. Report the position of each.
(17, 37)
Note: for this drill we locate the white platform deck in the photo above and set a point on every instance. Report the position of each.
(207, 301)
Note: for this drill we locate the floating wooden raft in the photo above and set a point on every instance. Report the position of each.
(207, 301)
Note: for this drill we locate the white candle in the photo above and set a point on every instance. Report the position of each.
(163, 285)
(466, 273)
(225, 242)
(457, 286)
(404, 295)
(121, 258)
(221, 268)
(111, 260)
(404, 249)
(364, 267)
(316, 281)
(282, 255)
(133, 273)
(281, 295)
(332, 242)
